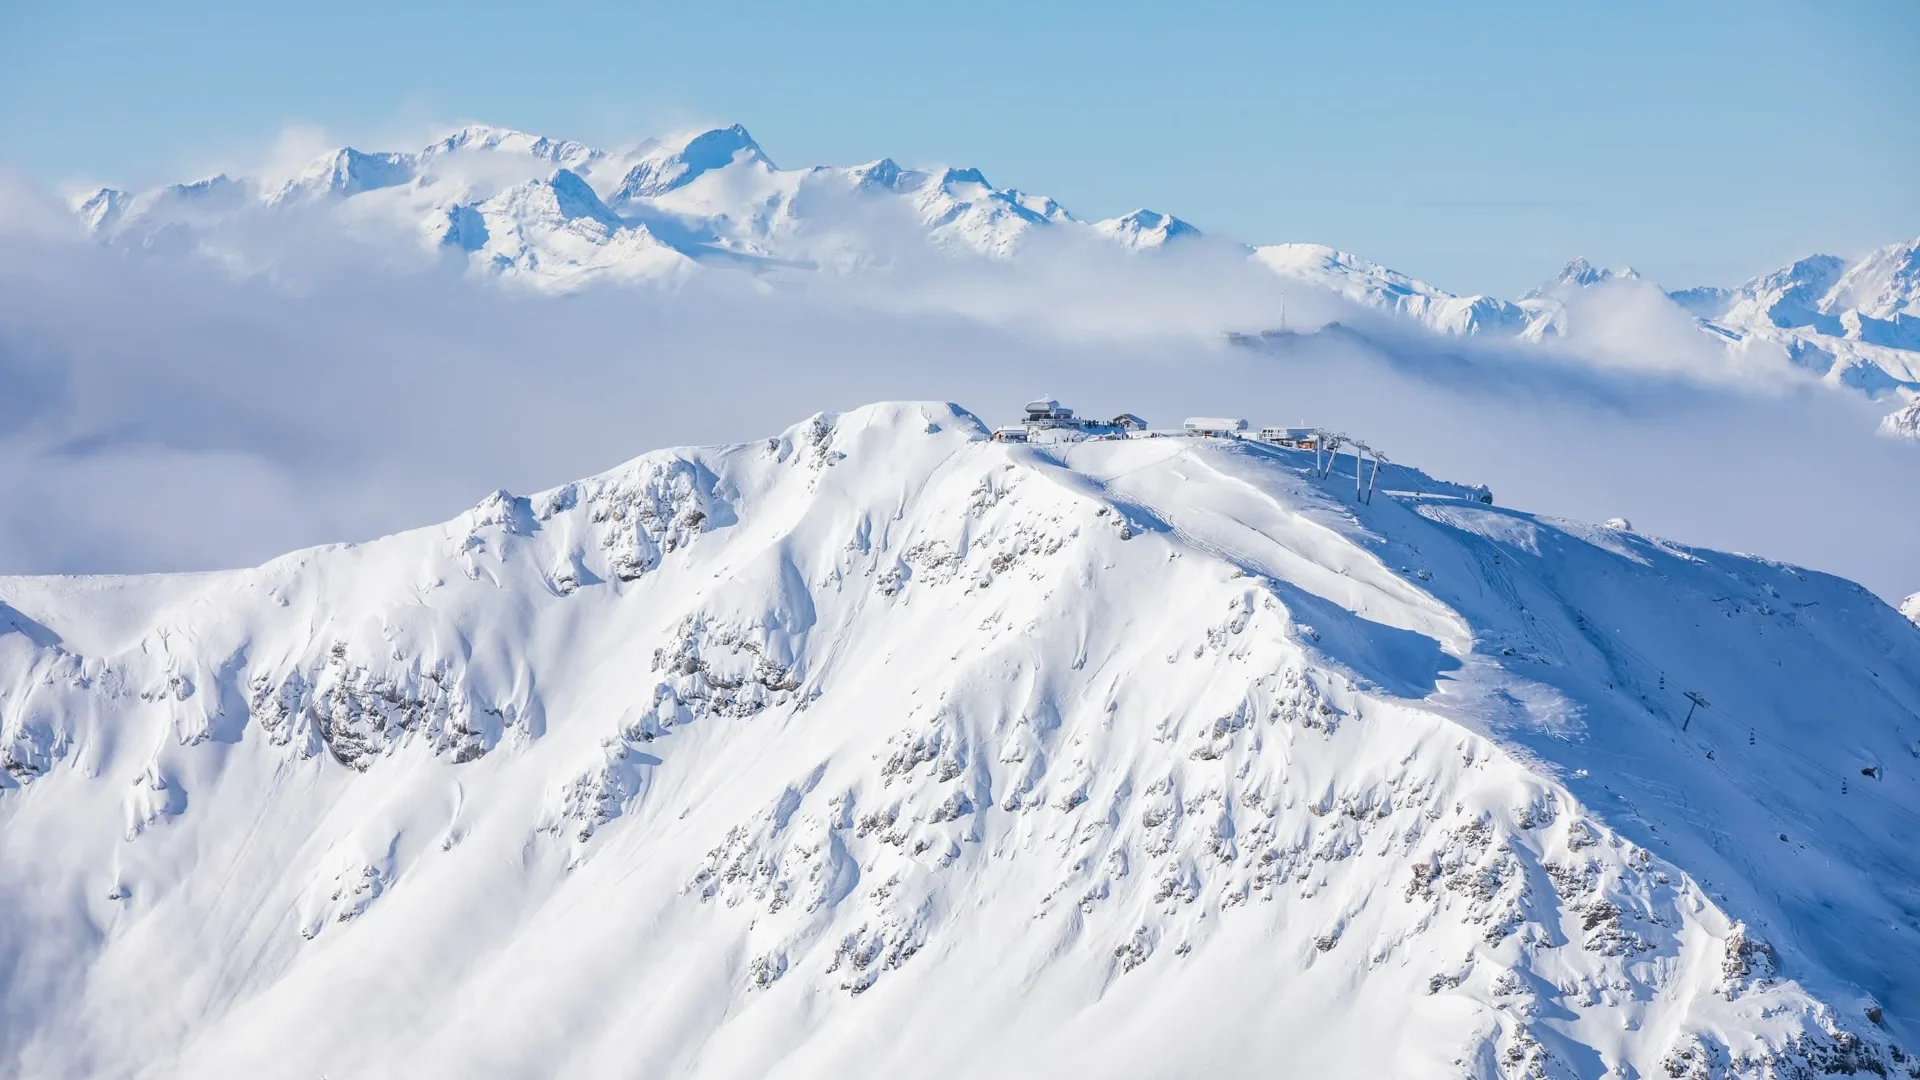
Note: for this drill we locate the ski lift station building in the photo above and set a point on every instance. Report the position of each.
(1048, 419)
(1299, 438)
(1215, 426)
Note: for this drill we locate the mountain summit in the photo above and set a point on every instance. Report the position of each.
(881, 746)
(661, 169)
(1146, 229)
(1580, 274)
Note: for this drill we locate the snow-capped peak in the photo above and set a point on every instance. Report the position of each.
(964, 210)
(1904, 422)
(954, 176)
(671, 165)
(1580, 274)
(1885, 285)
(484, 137)
(575, 199)
(1145, 229)
(99, 209)
(1375, 286)
(217, 187)
(882, 175)
(1583, 273)
(346, 172)
(1852, 324)
(1790, 296)
(557, 233)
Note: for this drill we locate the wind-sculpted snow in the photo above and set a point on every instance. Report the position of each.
(879, 747)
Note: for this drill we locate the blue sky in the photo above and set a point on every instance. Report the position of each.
(1477, 147)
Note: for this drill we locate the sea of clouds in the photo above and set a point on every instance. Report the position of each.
(188, 408)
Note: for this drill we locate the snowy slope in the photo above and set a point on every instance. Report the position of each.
(1146, 229)
(1375, 286)
(1853, 324)
(557, 233)
(1904, 422)
(878, 747)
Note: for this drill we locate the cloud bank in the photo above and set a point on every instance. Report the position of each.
(161, 411)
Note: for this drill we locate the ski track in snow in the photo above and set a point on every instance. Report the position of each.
(881, 747)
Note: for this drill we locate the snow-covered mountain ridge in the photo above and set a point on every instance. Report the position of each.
(559, 215)
(1807, 309)
(556, 214)
(1855, 324)
(844, 749)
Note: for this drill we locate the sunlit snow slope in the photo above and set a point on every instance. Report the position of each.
(878, 748)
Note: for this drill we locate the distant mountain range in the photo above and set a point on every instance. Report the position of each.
(557, 215)
(1854, 325)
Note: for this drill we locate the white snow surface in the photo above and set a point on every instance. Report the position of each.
(712, 196)
(1904, 422)
(1375, 286)
(1145, 229)
(1855, 325)
(878, 747)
